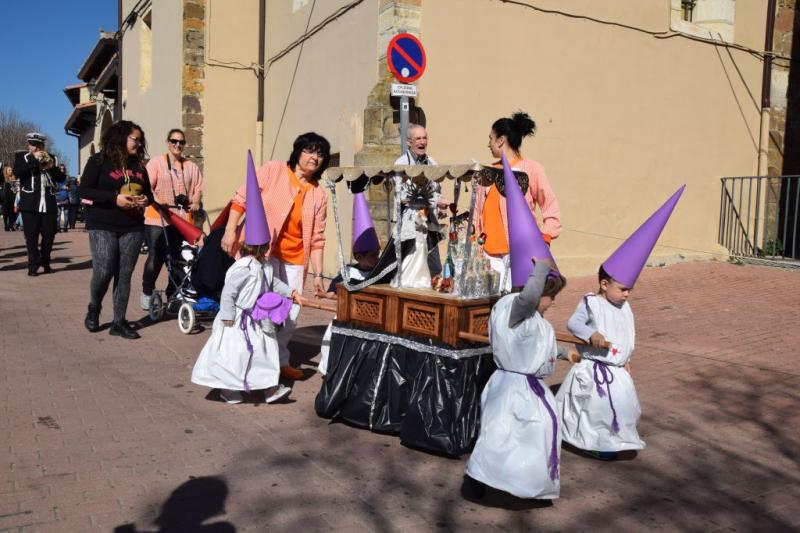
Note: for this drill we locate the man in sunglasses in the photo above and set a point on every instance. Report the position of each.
(177, 183)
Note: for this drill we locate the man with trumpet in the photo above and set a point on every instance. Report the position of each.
(37, 173)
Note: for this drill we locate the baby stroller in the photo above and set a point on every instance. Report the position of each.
(198, 276)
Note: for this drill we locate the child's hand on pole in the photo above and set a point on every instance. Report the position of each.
(597, 340)
(573, 356)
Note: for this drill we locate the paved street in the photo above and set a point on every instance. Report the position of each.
(100, 432)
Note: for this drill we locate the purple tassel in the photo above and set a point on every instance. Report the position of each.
(243, 326)
(605, 378)
(538, 389)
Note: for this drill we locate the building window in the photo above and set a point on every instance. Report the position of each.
(704, 18)
(146, 51)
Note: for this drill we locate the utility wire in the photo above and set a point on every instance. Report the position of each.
(668, 34)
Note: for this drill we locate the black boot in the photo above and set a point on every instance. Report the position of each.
(123, 329)
(92, 320)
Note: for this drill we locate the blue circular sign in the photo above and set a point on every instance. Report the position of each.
(406, 58)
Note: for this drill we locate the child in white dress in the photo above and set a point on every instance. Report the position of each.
(597, 401)
(242, 352)
(519, 444)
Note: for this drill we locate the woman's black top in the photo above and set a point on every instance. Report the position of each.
(101, 182)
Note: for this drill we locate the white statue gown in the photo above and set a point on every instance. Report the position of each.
(517, 438)
(586, 397)
(224, 360)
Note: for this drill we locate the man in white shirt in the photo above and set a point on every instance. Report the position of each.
(417, 147)
(417, 154)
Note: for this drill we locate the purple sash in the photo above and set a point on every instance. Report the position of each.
(605, 377)
(538, 390)
(247, 315)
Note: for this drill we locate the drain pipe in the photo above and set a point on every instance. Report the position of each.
(766, 85)
(262, 8)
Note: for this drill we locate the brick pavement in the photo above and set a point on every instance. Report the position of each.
(99, 432)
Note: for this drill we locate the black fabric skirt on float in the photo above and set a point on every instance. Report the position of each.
(426, 392)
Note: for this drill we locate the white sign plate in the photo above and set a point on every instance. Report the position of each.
(402, 89)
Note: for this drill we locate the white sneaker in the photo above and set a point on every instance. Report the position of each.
(281, 391)
(230, 396)
(144, 301)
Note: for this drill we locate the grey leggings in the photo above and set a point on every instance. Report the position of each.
(114, 255)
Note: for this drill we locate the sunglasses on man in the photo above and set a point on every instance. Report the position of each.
(177, 141)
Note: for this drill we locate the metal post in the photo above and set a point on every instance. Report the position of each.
(758, 214)
(403, 123)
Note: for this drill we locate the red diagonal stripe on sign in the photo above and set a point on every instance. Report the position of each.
(406, 57)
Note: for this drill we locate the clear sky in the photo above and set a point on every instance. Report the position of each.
(42, 45)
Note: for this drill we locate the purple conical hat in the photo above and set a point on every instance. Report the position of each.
(627, 262)
(525, 241)
(256, 231)
(365, 239)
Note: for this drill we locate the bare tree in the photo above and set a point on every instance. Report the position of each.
(12, 137)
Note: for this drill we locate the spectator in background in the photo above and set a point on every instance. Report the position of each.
(175, 182)
(37, 176)
(74, 200)
(62, 201)
(9, 194)
(115, 180)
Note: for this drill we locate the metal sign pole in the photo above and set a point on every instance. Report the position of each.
(403, 123)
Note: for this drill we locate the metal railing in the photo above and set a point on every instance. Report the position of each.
(758, 217)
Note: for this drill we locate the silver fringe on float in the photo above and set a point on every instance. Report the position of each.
(417, 346)
(397, 281)
(343, 270)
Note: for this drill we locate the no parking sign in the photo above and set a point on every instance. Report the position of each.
(406, 57)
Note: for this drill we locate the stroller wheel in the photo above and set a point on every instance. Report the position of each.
(156, 311)
(186, 318)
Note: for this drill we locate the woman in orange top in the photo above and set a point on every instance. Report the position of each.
(490, 205)
(296, 207)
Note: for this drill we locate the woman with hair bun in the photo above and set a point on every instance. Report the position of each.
(491, 221)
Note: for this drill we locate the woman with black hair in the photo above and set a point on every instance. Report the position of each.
(296, 207)
(491, 221)
(115, 181)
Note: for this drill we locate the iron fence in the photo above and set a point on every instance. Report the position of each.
(758, 216)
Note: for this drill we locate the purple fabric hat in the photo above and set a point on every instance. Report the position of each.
(256, 231)
(627, 262)
(365, 239)
(273, 306)
(525, 241)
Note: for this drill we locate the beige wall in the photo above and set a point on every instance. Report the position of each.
(158, 108)
(337, 70)
(230, 97)
(623, 118)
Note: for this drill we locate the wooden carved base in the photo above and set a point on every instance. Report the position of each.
(418, 312)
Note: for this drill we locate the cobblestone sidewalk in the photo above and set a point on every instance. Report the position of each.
(101, 433)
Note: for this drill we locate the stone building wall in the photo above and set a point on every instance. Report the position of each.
(193, 78)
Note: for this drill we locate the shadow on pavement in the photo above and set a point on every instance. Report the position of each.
(189, 506)
(305, 344)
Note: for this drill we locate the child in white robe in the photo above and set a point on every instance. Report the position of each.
(242, 352)
(365, 262)
(597, 401)
(519, 444)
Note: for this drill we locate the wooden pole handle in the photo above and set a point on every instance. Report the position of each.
(319, 305)
(560, 336)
